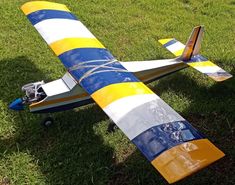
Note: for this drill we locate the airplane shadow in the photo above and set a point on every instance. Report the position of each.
(217, 123)
(71, 152)
(67, 153)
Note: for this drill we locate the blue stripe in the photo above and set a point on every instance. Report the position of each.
(218, 74)
(160, 138)
(197, 58)
(75, 56)
(103, 66)
(100, 77)
(97, 81)
(42, 15)
(170, 43)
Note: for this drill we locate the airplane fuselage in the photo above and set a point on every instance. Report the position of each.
(66, 93)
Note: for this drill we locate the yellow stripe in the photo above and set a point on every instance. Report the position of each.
(185, 159)
(179, 52)
(34, 6)
(59, 100)
(201, 64)
(113, 92)
(67, 44)
(164, 41)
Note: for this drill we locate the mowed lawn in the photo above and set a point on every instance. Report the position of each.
(78, 149)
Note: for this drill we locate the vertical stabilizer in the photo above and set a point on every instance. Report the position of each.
(193, 44)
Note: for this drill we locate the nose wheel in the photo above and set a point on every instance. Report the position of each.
(47, 122)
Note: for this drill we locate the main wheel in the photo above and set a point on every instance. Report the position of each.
(47, 122)
(112, 127)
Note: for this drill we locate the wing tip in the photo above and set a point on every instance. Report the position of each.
(32, 6)
(207, 67)
(185, 159)
(164, 41)
(221, 78)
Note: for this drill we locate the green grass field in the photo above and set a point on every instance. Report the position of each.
(77, 149)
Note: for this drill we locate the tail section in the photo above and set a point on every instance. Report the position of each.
(193, 45)
(189, 54)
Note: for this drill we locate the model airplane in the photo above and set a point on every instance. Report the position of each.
(166, 139)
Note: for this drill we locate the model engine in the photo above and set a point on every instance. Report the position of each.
(33, 92)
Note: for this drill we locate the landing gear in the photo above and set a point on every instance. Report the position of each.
(47, 122)
(112, 127)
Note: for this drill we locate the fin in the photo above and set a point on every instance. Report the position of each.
(193, 44)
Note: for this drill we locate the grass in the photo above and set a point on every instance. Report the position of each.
(77, 149)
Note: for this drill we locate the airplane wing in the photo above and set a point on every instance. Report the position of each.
(166, 139)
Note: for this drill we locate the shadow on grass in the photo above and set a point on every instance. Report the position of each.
(68, 153)
(211, 111)
(72, 153)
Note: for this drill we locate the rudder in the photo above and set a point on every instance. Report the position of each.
(193, 45)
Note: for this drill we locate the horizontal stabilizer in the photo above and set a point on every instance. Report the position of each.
(189, 54)
(207, 67)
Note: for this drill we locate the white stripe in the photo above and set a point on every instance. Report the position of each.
(176, 47)
(117, 109)
(136, 114)
(136, 66)
(57, 29)
(208, 69)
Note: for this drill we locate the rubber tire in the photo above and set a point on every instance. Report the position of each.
(112, 127)
(47, 122)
